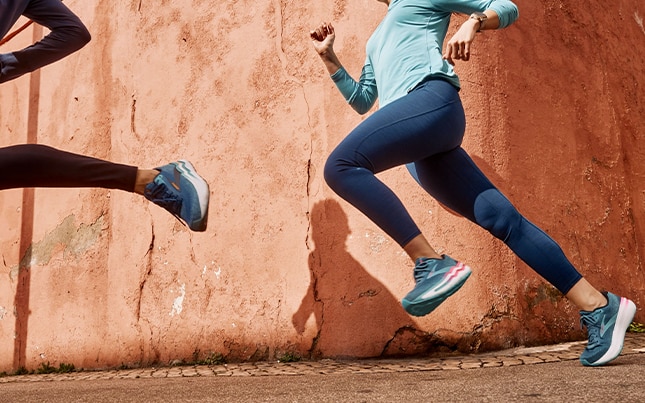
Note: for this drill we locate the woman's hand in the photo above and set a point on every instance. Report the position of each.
(323, 38)
(458, 47)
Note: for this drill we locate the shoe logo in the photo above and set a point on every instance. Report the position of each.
(606, 325)
(452, 273)
(177, 180)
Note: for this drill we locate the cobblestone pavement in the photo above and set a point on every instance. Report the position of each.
(634, 344)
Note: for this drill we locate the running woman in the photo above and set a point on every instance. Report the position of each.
(421, 122)
(177, 187)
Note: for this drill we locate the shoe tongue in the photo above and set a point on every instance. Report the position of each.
(590, 317)
(421, 261)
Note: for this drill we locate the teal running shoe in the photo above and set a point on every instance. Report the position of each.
(436, 280)
(606, 328)
(180, 190)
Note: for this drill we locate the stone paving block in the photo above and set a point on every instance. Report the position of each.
(160, 373)
(204, 371)
(569, 355)
(239, 372)
(549, 357)
(528, 359)
(471, 364)
(451, 364)
(174, 374)
(492, 364)
(510, 361)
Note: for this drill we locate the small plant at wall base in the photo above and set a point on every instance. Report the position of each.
(66, 368)
(212, 359)
(47, 368)
(22, 371)
(636, 327)
(289, 357)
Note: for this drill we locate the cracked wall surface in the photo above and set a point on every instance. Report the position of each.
(102, 278)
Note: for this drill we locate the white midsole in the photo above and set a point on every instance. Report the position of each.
(464, 272)
(625, 315)
(187, 169)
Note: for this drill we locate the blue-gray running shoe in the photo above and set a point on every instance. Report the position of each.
(180, 190)
(606, 328)
(436, 280)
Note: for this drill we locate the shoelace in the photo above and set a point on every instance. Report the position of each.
(160, 195)
(593, 330)
(421, 271)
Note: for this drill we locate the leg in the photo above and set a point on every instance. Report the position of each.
(427, 121)
(176, 186)
(35, 165)
(455, 181)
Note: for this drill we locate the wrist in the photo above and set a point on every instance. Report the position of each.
(479, 19)
(327, 54)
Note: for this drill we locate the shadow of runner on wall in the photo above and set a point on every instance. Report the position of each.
(356, 316)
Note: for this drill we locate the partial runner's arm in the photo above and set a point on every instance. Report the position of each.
(68, 34)
(361, 95)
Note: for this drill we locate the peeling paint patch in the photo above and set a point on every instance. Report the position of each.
(66, 236)
(376, 241)
(217, 273)
(178, 303)
(3, 312)
(639, 21)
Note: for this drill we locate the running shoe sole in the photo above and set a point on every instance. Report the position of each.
(188, 171)
(625, 315)
(431, 299)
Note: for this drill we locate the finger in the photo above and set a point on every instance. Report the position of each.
(466, 55)
(320, 34)
(447, 54)
(455, 52)
(461, 53)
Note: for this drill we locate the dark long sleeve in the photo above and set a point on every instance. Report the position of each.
(68, 34)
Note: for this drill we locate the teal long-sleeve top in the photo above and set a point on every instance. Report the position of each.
(406, 48)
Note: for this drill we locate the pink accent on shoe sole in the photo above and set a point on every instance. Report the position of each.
(455, 270)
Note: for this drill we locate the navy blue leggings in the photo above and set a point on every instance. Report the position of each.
(424, 129)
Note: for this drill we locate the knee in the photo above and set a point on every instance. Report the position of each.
(496, 214)
(332, 172)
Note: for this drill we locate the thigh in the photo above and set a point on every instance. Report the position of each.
(427, 121)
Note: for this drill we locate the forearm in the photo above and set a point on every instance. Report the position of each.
(331, 62)
(491, 22)
(52, 48)
(360, 95)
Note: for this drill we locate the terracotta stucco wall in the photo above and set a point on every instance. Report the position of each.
(102, 278)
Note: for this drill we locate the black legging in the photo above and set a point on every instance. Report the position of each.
(68, 34)
(35, 165)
